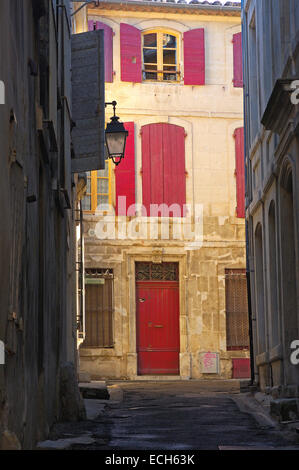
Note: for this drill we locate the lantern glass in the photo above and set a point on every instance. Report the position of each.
(116, 142)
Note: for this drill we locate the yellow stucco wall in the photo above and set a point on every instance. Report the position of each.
(209, 114)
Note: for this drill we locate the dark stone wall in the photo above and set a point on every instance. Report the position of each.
(36, 231)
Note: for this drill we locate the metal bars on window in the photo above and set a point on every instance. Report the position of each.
(99, 308)
(237, 325)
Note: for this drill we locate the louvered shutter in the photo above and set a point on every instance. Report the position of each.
(238, 70)
(88, 101)
(108, 50)
(130, 52)
(163, 165)
(125, 176)
(194, 57)
(240, 171)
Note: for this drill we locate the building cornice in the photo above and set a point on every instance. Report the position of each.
(206, 8)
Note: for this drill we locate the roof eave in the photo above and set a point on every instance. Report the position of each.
(199, 9)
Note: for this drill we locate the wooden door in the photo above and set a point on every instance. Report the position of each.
(158, 338)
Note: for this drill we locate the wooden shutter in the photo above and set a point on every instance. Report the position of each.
(88, 101)
(194, 57)
(91, 25)
(163, 165)
(108, 50)
(125, 175)
(237, 325)
(240, 171)
(99, 313)
(238, 68)
(130, 52)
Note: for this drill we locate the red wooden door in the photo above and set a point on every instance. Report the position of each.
(158, 338)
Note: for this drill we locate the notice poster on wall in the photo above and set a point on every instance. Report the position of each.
(209, 362)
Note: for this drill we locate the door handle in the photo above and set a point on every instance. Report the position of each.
(158, 326)
(141, 300)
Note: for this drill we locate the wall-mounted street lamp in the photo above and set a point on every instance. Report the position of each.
(115, 136)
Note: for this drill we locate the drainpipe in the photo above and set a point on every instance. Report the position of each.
(245, 100)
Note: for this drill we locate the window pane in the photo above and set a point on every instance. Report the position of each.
(150, 56)
(88, 185)
(169, 41)
(149, 76)
(86, 203)
(102, 200)
(103, 186)
(150, 40)
(170, 76)
(169, 57)
(104, 173)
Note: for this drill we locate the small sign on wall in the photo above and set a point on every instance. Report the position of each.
(209, 362)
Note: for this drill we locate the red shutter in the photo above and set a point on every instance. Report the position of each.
(238, 69)
(163, 166)
(125, 176)
(130, 52)
(108, 48)
(90, 25)
(194, 57)
(240, 171)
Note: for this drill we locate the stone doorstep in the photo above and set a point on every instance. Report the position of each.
(207, 384)
(94, 390)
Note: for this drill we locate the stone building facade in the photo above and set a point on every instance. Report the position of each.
(40, 195)
(197, 107)
(271, 63)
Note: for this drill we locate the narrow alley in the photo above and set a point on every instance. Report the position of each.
(174, 416)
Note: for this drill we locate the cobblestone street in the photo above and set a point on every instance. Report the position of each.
(174, 416)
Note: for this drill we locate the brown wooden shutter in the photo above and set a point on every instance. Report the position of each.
(237, 325)
(99, 312)
(88, 99)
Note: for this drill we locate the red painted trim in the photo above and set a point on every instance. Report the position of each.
(163, 167)
(238, 67)
(125, 176)
(194, 57)
(240, 171)
(130, 53)
(108, 48)
(90, 25)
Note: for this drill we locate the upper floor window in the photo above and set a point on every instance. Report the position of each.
(160, 56)
(98, 188)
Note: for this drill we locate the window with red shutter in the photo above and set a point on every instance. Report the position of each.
(163, 168)
(125, 177)
(238, 68)
(130, 53)
(240, 171)
(108, 47)
(194, 57)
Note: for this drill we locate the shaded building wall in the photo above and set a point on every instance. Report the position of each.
(37, 249)
(270, 44)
